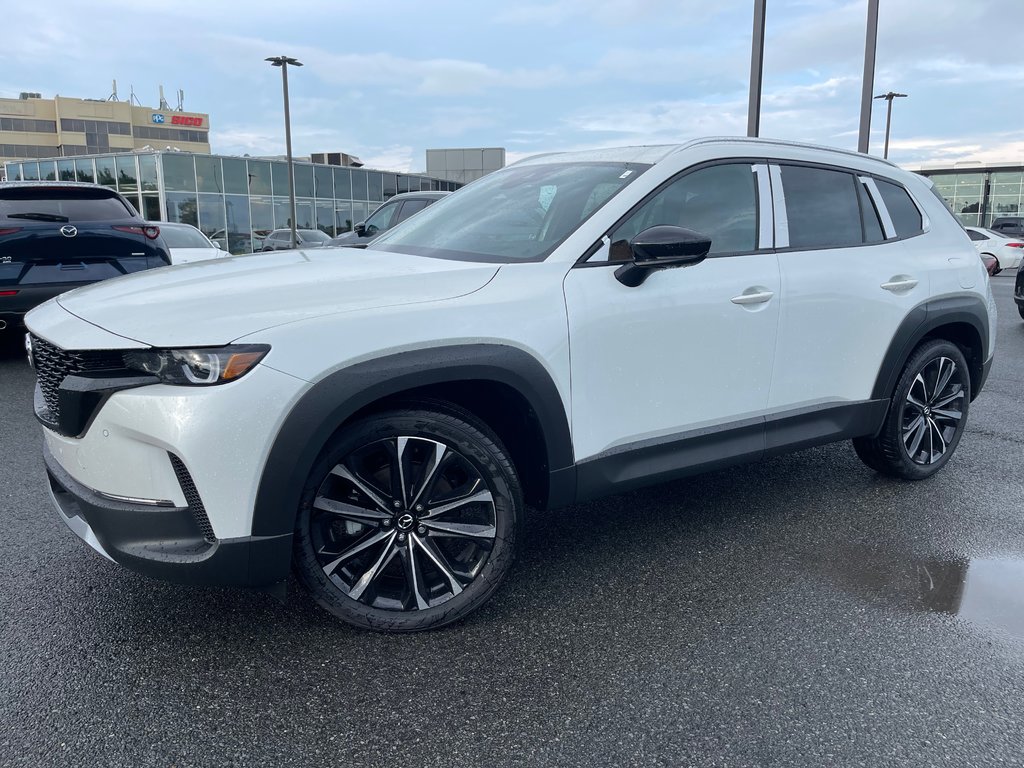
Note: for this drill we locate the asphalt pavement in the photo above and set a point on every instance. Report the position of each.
(802, 611)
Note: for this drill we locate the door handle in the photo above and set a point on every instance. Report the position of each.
(754, 296)
(899, 283)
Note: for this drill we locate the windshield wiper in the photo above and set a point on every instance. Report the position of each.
(38, 216)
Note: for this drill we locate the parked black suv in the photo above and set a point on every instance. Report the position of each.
(1018, 291)
(1011, 226)
(398, 208)
(57, 236)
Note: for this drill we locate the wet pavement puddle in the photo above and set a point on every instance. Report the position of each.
(980, 591)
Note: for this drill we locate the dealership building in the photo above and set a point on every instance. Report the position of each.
(32, 127)
(235, 201)
(979, 193)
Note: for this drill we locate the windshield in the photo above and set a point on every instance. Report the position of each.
(518, 214)
(183, 237)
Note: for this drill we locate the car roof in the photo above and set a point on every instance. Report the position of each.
(175, 224)
(53, 184)
(425, 194)
(653, 154)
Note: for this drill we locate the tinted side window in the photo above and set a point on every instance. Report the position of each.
(381, 219)
(975, 235)
(905, 216)
(822, 207)
(409, 207)
(719, 201)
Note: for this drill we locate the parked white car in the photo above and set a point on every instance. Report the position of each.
(1004, 249)
(187, 244)
(570, 326)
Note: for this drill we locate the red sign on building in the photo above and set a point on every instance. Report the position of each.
(182, 120)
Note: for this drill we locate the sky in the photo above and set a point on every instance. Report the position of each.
(385, 81)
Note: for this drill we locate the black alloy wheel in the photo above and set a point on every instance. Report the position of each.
(926, 416)
(409, 520)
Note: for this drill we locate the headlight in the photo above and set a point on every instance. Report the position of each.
(197, 367)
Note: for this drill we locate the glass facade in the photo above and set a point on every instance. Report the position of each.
(978, 197)
(235, 201)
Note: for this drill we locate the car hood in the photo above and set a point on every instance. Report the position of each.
(217, 301)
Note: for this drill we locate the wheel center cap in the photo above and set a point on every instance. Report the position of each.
(927, 411)
(405, 522)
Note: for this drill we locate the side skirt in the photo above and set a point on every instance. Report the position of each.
(688, 453)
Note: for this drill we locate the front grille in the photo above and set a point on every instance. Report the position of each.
(53, 365)
(195, 503)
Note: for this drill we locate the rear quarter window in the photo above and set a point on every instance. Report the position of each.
(902, 210)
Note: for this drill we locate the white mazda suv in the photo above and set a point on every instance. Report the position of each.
(573, 325)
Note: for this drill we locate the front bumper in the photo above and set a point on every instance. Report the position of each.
(165, 542)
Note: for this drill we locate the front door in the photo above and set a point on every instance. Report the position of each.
(690, 349)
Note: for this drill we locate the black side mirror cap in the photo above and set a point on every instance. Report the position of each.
(662, 247)
(360, 228)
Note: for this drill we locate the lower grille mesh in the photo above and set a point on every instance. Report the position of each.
(195, 503)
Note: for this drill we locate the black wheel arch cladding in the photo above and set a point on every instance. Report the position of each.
(929, 319)
(330, 402)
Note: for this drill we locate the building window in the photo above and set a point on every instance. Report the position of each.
(259, 178)
(179, 173)
(147, 173)
(84, 171)
(235, 181)
(105, 172)
(27, 125)
(127, 176)
(208, 174)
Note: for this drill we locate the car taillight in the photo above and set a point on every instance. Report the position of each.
(8, 293)
(149, 231)
(1014, 245)
(9, 230)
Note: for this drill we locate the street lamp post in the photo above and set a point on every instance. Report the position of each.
(868, 84)
(283, 62)
(888, 116)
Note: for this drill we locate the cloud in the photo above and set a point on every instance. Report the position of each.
(608, 12)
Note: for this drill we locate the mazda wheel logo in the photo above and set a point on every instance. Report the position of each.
(69, 231)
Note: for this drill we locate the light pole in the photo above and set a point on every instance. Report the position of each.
(756, 70)
(283, 62)
(888, 116)
(868, 84)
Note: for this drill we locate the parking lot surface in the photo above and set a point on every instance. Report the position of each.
(800, 611)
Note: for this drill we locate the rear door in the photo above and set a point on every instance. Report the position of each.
(852, 268)
(69, 235)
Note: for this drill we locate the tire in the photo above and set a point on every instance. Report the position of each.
(922, 426)
(385, 561)
(1020, 311)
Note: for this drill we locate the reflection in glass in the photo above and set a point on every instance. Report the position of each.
(212, 220)
(343, 216)
(259, 177)
(235, 180)
(179, 172)
(208, 174)
(390, 185)
(239, 236)
(279, 171)
(182, 207)
(375, 183)
(359, 182)
(304, 214)
(105, 172)
(262, 210)
(66, 170)
(147, 173)
(325, 216)
(303, 180)
(151, 207)
(30, 171)
(127, 177)
(342, 184)
(324, 179)
(282, 213)
(84, 171)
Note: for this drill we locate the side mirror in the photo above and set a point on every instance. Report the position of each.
(662, 247)
(360, 229)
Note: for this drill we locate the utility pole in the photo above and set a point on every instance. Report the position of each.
(888, 116)
(868, 84)
(756, 70)
(283, 62)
